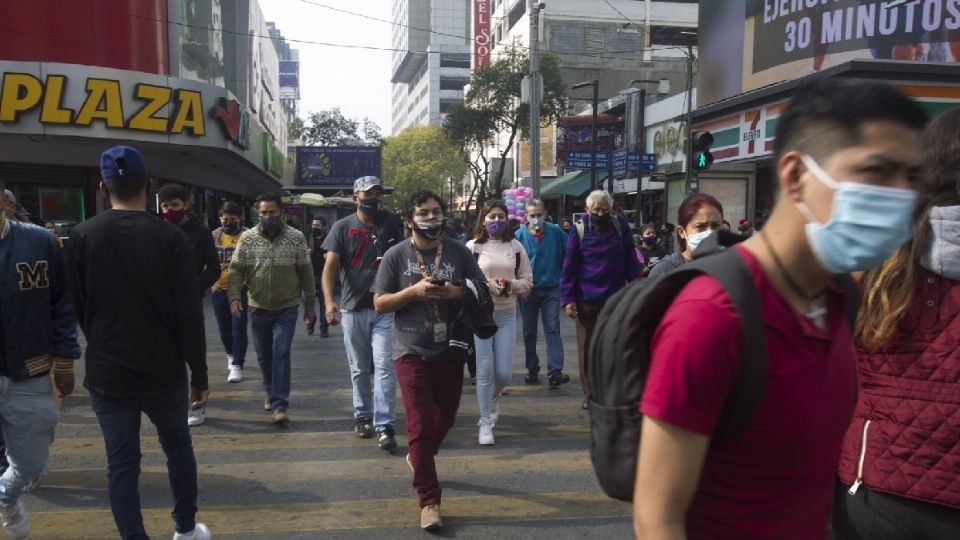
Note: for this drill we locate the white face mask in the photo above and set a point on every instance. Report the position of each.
(868, 224)
(694, 240)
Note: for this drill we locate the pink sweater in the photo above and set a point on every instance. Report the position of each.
(497, 259)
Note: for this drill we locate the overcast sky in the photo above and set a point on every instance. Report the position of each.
(356, 80)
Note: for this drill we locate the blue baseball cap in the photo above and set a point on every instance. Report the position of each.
(119, 161)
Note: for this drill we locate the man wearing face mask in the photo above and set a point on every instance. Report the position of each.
(233, 330)
(846, 154)
(545, 244)
(355, 246)
(600, 259)
(272, 260)
(175, 207)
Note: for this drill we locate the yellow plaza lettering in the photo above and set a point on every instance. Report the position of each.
(53, 111)
(156, 97)
(21, 92)
(106, 92)
(189, 113)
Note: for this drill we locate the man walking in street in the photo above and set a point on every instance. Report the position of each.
(422, 281)
(317, 257)
(174, 202)
(273, 262)
(846, 155)
(545, 244)
(355, 247)
(134, 287)
(233, 330)
(38, 334)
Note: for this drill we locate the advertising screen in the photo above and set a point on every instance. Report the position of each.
(336, 165)
(749, 44)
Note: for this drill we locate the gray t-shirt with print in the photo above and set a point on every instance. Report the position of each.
(360, 246)
(413, 331)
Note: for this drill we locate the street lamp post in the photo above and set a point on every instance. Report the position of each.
(593, 128)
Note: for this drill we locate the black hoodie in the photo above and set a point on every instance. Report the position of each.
(204, 252)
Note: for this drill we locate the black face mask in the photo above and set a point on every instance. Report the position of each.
(369, 206)
(271, 225)
(601, 221)
(317, 231)
(231, 228)
(431, 229)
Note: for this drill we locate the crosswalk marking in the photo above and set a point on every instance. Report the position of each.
(381, 513)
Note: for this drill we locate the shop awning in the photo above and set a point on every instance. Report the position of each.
(572, 184)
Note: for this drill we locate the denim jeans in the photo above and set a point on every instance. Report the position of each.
(27, 418)
(431, 396)
(272, 337)
(120, 423)
(233, 330)
(546, 303)
(368, 338)
(495, 359)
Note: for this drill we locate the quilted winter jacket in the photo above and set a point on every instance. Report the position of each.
(905, 435)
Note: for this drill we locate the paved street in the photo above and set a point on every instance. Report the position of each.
(315, 479)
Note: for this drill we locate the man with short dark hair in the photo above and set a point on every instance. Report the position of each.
(422, 282)
(273, 262)
(38, 335)
(233, 330)
(175, 207)
(134, 287)
(355, 246)
(846, 155)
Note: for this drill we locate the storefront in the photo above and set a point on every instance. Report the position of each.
(56, 119)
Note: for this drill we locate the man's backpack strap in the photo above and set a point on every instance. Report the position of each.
(730, 269)
(845, 283)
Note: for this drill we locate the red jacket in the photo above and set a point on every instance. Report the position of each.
(905, 435)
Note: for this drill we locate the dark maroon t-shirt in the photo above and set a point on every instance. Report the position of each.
(774, 478)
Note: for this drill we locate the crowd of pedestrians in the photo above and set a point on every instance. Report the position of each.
(855, 272)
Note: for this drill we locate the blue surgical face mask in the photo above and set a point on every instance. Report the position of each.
(868, 225)
(694, 240)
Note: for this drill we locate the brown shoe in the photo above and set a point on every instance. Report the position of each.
(280, 417)
(430, 518)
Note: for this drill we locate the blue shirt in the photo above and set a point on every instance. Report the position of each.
(545, 253)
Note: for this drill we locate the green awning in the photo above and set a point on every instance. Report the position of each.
(573, 184)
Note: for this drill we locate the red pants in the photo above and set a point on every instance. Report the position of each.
(431, 396)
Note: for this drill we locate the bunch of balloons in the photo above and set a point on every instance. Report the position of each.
(517, 199)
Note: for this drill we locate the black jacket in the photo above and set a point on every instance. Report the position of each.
(133, 282)
(204, 252)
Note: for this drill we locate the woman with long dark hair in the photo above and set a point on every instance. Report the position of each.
(698, 216)
(900, 466)
(505, 264)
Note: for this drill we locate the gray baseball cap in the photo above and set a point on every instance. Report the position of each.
(366, 183)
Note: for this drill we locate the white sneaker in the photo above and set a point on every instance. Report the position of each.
(196, 417)
(486, 433)
(15, 519)
(229, 361)
(235, 375)
(494, 410)
(200, 532)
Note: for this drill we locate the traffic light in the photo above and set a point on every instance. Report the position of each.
(700, 156)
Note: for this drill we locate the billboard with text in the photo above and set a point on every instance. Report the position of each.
(335, 166)
(749, 44)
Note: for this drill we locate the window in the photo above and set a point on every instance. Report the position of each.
(455, 61)
(453, 84)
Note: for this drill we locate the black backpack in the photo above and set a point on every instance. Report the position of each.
(619, 358)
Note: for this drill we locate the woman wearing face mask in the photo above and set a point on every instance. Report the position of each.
(898, 468)
(601, 258)
(649, 250)
(698, 216)
(505, 264)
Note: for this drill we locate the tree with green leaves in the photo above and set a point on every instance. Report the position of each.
(332, 128)
(492, 106)
(420, 157)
